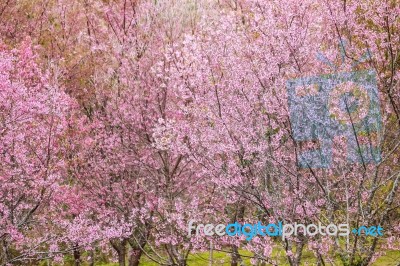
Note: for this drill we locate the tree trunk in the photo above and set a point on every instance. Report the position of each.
(91, 261)
(77, 255)
(137, 245)
(235, 259)
(121, 256)
(182, 262)
(120, 247)
(134, 257)
(235, 256)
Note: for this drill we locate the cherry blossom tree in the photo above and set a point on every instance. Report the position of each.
(232, 80)
(131, 118)
(35, 116)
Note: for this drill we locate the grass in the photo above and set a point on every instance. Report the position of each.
(392, 258)
(201, 259)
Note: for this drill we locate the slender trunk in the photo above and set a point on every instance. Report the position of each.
(6, 253)
(235, 256)
(211, 254)
(77, 256)
(121, 256)
(120, 248)
(299, 252)
(182, 262)
(320, 261)
(91, 261)
(137, 245)
(134, 257)
(236, 259)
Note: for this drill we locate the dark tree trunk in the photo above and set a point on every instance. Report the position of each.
(137, 245)
(236, 259)
(77, 255)
(120, 247)
(134, 257)
(235, 256)
(92, 259)
(182, 263)
(121, 255)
